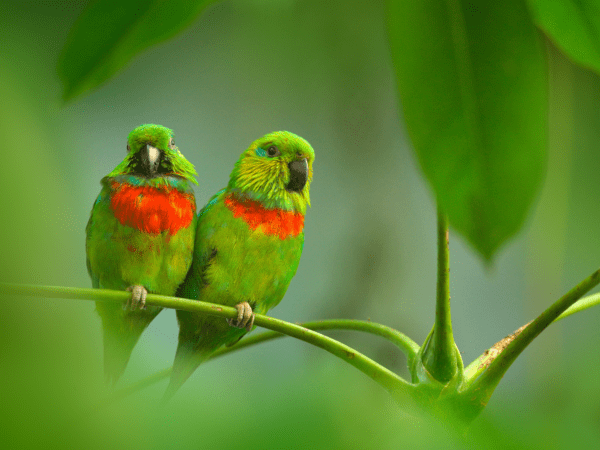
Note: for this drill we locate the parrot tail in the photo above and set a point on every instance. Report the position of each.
(122, 330)
(187, 360)
(117, 351)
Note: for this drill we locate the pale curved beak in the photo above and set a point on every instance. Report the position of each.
(150, 159)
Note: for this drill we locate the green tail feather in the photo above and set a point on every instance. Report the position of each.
(121, 333)
(187, 360)
(117, 351)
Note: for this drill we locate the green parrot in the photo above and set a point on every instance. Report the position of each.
(140, 237)
(249, 240)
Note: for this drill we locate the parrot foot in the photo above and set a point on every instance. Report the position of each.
(138, 297)
(245, 317)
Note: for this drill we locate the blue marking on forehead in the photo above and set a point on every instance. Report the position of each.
(260, 152)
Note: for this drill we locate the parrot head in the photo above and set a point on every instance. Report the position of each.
(275, 170)
(152, 153)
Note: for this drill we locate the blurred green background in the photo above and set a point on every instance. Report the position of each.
(321, 70)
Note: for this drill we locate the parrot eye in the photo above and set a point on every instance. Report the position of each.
(172, 142)
(128, 148)
(273, 151)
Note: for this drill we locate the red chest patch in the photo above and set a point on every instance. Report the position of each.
(152, 210)
(275, 222)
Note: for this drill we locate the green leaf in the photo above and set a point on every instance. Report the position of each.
(473, 86)
(109, 33)
(574, 25)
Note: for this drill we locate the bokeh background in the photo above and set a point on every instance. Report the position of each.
(243, 69)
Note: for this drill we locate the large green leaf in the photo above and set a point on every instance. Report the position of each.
(473, 86)
(574, 25)
(111, 32)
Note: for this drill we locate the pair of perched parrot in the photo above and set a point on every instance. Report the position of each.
(241, 250)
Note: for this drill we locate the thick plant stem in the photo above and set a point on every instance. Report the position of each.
(401, 390)
(481, 389)
(478, 366)
(444, 339)
(439, 352)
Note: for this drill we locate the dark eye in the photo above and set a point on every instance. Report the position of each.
(172, 142)
(273, 151)
(128, 148)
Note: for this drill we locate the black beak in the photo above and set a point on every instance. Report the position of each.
(298, 175)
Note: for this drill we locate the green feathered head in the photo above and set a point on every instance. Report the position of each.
(152, 153)
(276, 170)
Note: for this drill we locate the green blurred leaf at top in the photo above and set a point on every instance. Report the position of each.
(109, 33)
(574, 25)
(473, 85)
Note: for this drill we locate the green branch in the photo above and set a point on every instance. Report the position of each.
(511, 347)
(439, 351)
(396, 385)
(407, 345)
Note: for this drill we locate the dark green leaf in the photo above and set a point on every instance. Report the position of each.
(574, 25)
(111, 32)
(473, 86)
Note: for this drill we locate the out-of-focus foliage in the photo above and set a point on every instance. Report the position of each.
(110, 32)
(369, 249)
(472, 82)
(574, 25)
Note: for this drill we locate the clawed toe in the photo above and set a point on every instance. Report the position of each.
(245, 317)
(138, 297)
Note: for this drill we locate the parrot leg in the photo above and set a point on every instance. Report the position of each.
(138, 297)
(245, 318)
